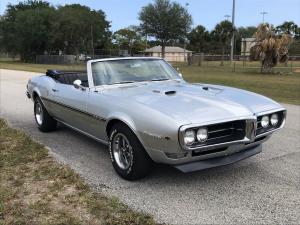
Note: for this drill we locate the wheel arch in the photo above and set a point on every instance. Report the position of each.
(124, 120)
(114, 120)
(35, 93)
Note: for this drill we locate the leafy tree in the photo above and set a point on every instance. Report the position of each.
(297, 34)
(223, 33)
(34, 27)
(129, 38)
(80, 29)
(198, 39)
(165, 21)
(25, 28)
(288, 27)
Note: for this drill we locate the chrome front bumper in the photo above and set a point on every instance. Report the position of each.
(219, 161)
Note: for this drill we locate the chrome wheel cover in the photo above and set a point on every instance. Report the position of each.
(122, 151)
(38, 111)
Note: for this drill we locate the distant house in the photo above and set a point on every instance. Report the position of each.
(246, 45)
(172, 53)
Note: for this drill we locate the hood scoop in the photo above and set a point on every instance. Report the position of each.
(212, 89)
(170, 92)
(166, 92)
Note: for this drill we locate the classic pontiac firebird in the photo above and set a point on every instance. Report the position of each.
(143, 109)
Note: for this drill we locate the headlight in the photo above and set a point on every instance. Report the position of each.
(189, 137)
(265, 121)
(202, 134)
(274, 119)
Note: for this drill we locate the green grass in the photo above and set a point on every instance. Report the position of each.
(282, 85)
(35, 189)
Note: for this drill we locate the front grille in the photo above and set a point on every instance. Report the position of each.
(223, 132)
(261, 130)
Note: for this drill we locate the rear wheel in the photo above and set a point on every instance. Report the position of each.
(127, 154)
(42, 118)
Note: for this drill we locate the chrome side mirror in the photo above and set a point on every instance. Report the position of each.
(78, 84)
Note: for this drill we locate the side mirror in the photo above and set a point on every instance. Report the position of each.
(180, 74)
(78, 84)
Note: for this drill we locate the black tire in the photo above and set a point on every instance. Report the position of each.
(45, 122)
(141, 163)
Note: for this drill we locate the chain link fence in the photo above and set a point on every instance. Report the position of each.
(241, 63)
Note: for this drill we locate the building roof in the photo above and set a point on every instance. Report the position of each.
(168, 49)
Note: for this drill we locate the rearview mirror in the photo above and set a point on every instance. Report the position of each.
(78, 84)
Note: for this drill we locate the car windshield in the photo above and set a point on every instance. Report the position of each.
(132, 70)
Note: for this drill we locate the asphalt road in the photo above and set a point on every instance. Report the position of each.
(262, 189)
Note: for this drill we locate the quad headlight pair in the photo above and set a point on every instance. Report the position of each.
(190, 136)
(267, 120)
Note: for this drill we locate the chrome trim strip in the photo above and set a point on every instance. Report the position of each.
(270, 111)
(192, 125)
(281, 126)
(83, 132)
(272, 131)
(250, 134)
(247, 138)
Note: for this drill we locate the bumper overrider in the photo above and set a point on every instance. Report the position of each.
(225, 142)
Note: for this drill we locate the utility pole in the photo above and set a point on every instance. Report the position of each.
(146, 44)
(184, 43)
(232, 39)
(263, 15)
(92, 39)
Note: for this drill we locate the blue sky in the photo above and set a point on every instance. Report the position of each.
(123, 13)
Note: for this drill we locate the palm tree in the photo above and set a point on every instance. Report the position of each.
(223, 33)
(270, 48)
(197, 38)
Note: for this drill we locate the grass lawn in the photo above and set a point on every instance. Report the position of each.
(283, 85)
(283, 88)
(36, 190)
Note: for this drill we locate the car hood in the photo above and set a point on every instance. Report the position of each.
(194, 103)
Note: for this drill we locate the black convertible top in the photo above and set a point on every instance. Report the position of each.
(68, 77)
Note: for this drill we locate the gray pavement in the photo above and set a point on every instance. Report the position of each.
(264, 189)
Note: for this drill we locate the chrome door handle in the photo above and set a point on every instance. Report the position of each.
(54, 90)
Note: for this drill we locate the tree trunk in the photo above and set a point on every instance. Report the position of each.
(222, 58)
(267, 61)
(163, 48)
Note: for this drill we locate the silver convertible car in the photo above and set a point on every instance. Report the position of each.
(145, 111)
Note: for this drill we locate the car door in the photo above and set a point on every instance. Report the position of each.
(70, 105)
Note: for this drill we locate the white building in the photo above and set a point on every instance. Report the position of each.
(172, 54)
(246, 45)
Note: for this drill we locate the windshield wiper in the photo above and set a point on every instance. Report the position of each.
(161, 79)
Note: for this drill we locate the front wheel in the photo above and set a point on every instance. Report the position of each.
(127, 154)
(43, 120)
